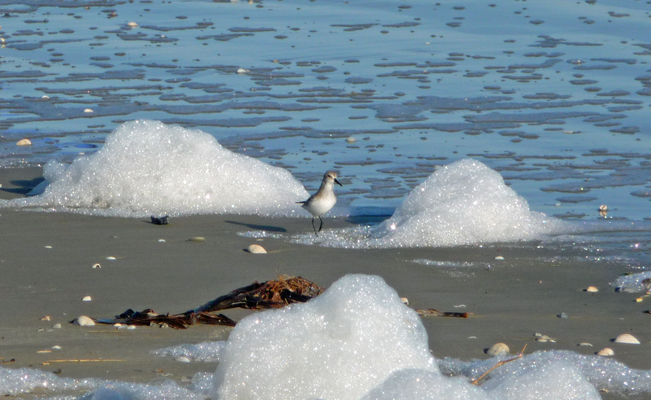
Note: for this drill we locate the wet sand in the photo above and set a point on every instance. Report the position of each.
(510, 302)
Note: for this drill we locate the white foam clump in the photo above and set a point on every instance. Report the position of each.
(462, 203)
(206, 352)
(640, 282)
(147, 167)
(337, 346)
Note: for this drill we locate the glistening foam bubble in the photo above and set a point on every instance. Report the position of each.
(147, 167)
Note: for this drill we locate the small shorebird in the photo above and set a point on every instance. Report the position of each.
(323, 200)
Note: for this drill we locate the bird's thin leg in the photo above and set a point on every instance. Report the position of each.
(321, 225)
(314, 227)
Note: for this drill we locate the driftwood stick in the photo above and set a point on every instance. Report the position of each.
(499, 364)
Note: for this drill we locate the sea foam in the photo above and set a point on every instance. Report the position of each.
(147, 167)
(462, 203)
(357, 340)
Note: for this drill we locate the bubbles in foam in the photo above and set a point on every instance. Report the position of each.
(640, 282)
(147, 167)
(337, 346)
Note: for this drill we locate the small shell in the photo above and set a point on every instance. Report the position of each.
(498, 349)
(56, 347)
(603, 207)
(88, 110)
(56, 326)
(197, 239)
(351, 140)
(132, 24)
(111, 258)
(45, 97)
(46, 318)
(242, 71)
(24, 142)
(161, 240)
(639, 299)
(404, 300)
(256, 249)
(499, 258)
(626, 338)
(591, 289)
(585, 344)
(96, 266)
(182, 359)
(48, 247)
(83, 320)
(86, 298)
(606, 352)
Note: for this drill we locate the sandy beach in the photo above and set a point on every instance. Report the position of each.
(46, 261)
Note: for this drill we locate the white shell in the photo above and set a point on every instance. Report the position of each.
(182, 359)
(132, 24)
(24, 142)
(499, 258)
(88, 110)
(592, 289)
(351, 140)
(86, 298)
(83, 320)
(498, 349)
(404, 300)
(585, 344)
(56, 347)
(242, 71)
(626, 338)
(606, 352)
(198, 239)
(96, 266)
(256, 249)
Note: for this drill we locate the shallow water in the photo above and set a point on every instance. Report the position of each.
(553, 95)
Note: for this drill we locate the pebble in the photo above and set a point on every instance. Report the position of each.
(544, 338)
(562, 315)
(24, 142)
(591, 289)
(498, 349)
(197, 239)
(56, 326)
(626, 338)
(96, 266)
(606, 352)
(83, 320)
(256, 249)
(86, 298)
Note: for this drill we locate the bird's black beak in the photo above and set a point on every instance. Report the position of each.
(337, 182)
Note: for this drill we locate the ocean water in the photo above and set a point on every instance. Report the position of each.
(547, 100)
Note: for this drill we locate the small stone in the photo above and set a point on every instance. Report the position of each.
(498, 349)
(626, 338)
(591, 289)
(86, 298)
(544, 338)
(499, 258)
(83, 320)
(96, 266)
(606, 352)
(639, 299)
(562, 315)
(56, 326)
(24, 142)
(256, 249)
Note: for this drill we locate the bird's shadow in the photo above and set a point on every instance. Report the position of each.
(24, 186)
(268, 228)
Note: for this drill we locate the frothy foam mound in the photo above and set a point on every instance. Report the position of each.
(338, 346)
(462, 203)
(147, 167)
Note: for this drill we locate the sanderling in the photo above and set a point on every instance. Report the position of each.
(323, 200)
